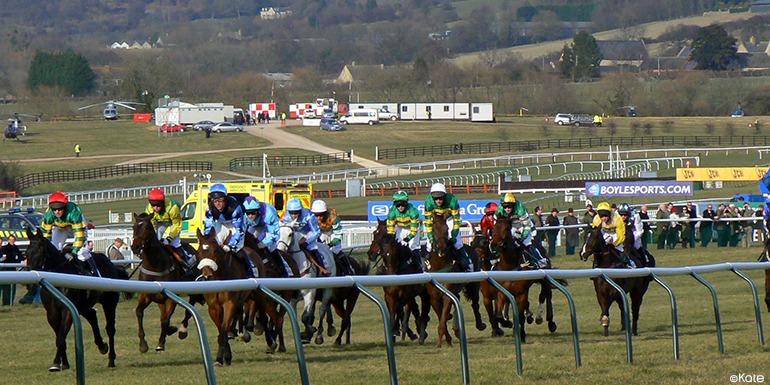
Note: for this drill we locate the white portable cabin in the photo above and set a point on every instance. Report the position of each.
(392, 107)
(482, 112)
(189, 114)
(438, 111)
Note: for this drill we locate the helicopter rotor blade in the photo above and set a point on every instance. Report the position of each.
(122, 104)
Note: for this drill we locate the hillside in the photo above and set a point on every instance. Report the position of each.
(649, 30)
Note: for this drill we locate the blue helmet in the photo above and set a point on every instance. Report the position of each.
(294, 204)
(217, 190)
(251, 203)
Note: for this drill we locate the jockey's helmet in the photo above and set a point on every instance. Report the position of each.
(400, 196)
(58, 200)
(250, 204)
(437, 190)
(318, 207)
(624, 208)
(217, 190)
(294, 204)
(156, 197)
(490, 208)
(604, 208)
(507, 200)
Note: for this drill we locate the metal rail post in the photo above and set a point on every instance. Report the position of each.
(388, 331)
(757, 311)
(626, 317)
(460, 317)
(516, 326)
(674, 315)
(295, 331)
(573, 318)
(717, 318)
(80, 359)
(208, 365)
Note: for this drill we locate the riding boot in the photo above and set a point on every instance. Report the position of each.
(89, 265)
(345, 263)
(188, 260)
(278, 263)
(251, 271)
(538, 261)
(465, 260)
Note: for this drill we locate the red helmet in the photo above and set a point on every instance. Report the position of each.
(157, 196)
(58, 200)
(490, 208)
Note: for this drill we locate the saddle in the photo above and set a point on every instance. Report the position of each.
(179, 258)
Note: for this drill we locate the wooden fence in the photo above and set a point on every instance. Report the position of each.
(288, 161)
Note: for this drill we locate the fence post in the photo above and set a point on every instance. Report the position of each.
(516, 326)
(388, 331)
(674, 315)
(208, 365)
(757, 311)
(626, 317)
(460, 319)
(717, 318)
(77, 324)
(573, 318)
(294, 330)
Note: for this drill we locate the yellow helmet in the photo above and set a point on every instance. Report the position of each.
(603, 206)
(508, 198)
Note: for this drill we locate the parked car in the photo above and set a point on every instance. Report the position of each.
(361, 116)
(226, 127)
(562, 119)
(16, 221)
(203, 124)
(581, 120)
(172, 127)
(384, 114)
(330, 124)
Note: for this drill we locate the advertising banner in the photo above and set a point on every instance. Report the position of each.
(724, 174)
(646, 188)
(470, 210)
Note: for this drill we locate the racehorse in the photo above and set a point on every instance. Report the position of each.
(289, 244)
(511, 258)
(395, 258)
(608, 257)
(42, 255)
(442, 260)
(343, 299)
(766, 258)
(158, 264)
(224, 307)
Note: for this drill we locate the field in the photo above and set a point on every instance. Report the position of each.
(548, 358)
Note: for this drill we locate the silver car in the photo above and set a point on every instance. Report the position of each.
(203, 124)
(226, 127)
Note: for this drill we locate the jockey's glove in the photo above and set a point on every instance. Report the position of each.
(303, 242)
(226, 248)
(261, 246)
(407, 239)
(452, 240)
(70, 256)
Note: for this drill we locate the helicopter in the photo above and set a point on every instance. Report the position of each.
(111, 109)
(16, 126)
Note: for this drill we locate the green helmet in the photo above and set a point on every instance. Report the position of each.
(400, 196)
(624, 208)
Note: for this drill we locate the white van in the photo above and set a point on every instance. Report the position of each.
(361, 116)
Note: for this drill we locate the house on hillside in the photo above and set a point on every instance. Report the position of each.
(679, 62)
(269, 13)
(358, 74)
(753, 55)
(760, 6)
(621, 55)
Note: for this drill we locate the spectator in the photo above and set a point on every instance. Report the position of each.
(77, 151)
(588, 219)
(707, 226)
(661, 228)
(90, 225)
(748, 226)
(722, 227)
(735, 227)
(693, 222)
(673, 228)
(114, 250)
(760, 213)
(552, 221)
(9, 253)
(571, 235)
(90, 246)
(537, 222)
(687, 230)
(643, 216)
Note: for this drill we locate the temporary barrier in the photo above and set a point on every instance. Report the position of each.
(268, 285)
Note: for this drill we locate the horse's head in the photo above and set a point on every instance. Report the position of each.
(393, 253)
(144, 232)
(594, 244)
(374, 249)
(501, 233)
(41, 254)
(440, 235)
(211, 256)
(285, 238)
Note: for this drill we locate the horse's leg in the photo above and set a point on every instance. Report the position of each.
(109, 305)
(323, 312)
(446, 308)
(523, 303)
(217, 315)
(392, 303)
(603, 297)
(167, 308)
(489, 296)
(767, 289)
(424, 315)
(194, 298)
(142, 302)
(90, 316)
(436, 302)
(330, 329)
(471, 291)
(350, 304)
(231, 310)
(546, 293)
(58, 319)
(266, 309)
(308, 315)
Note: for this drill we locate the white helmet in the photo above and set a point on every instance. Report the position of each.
(437, 190)
(318, 207)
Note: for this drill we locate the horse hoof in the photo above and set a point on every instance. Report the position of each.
(104, 348)
(218, 364)
(282, 349)
(319, 340)
(258, 330)
(606, 331)
(65, 366)
(530, 319)
(171, 330)
(331, 331)
(182, 335)
(143, 348)
(636, 334)
(246, 337)
(230, 335)
(160, 348)
(539, 320)
(552, 327)
(480, 326)
(506, 323)
(55, 368)
(497, 333)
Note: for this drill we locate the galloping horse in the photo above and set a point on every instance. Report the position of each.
(440, 259)
(343, 299)
(608, 257)
(290, 244)
(43, 256)
(766, 258)
(395, 258)
(510, 255)
(224, 307)
(158, 264)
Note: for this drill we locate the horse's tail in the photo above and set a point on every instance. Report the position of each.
(123, 274)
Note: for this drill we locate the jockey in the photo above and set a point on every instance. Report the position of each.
(521, 227)
(613, 229)
(261, 220)
(62, 220)
(331, 233)
(404, 222)
(305, 224)
(224, 217)
(631, 218)
(488, 222)
(439, 202)
(165, 216)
